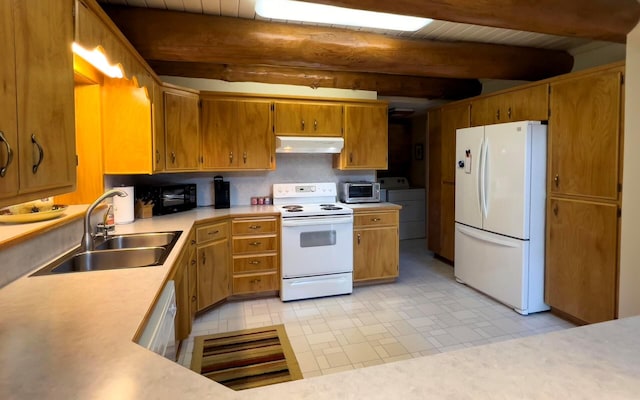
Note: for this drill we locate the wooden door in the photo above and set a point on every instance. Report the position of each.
(219, 121)
(581, 259)
(181, 130)
(299, 118)
(183, 302)
(453, 117)
(375, 253)
(435, 179)
(447, 221)
(157, 112)
(530, 104)
(8, 118)
(213, 273)
(44, 65)
(584, 135)
(256, 145)
(366, 137)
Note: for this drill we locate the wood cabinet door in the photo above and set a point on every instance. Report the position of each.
(366, 143)
(183, 301)
(453, 117)
(447, 221)
(530, 104)
(193, 277)
(8, 118)
(375, 253)
(482, 111)
(219, 121)
(435, 179)
(581, 259)
(299, 118)
(157, 113)
(213, 273)
(256, 146)
(584, 136)
(181, 130)
(44, 87)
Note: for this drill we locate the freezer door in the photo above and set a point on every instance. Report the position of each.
(493, 264)
(507, 173)
(468, 156)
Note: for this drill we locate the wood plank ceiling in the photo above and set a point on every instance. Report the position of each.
(225, 39)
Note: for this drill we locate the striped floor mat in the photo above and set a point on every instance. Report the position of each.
(246, 359)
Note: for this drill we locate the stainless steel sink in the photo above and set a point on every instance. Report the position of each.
(117, 252)
(152, 239)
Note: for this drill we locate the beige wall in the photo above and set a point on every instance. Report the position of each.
(629, 296)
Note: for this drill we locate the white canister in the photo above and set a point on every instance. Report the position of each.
(123, 209)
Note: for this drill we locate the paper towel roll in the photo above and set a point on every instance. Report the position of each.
(123, 212)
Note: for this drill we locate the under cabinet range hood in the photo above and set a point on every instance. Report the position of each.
(303, 144)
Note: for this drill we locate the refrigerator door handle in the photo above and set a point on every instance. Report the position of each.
(481, 177)
(484, 237)
(485, 180)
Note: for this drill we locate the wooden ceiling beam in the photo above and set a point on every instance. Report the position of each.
(177, 36)
(384, 84)
(609, 20)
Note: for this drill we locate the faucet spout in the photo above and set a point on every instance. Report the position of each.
(87, 237)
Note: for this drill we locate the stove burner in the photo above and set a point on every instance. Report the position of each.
(287, 207)
(330, 207)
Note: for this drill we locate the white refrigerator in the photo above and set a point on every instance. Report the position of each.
(500, 212)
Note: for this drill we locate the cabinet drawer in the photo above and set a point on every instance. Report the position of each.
(255, 244)
(211, 232)
(376, 219)
(250, 264)
(255, 283)
(253, 226)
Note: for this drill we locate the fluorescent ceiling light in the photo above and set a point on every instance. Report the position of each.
(97, 58)
(320, 13)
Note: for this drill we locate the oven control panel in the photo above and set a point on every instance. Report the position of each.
(304, 189)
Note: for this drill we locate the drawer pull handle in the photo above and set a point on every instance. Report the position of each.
(255, 227)
(375, 219)
(213, 233)
(254, 262)
(255, 280)
(255, 243)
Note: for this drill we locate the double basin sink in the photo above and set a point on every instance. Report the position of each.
(116, 252)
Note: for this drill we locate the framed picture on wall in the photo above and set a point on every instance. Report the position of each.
(418, 151)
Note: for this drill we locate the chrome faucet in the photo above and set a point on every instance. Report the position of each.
(87, 237)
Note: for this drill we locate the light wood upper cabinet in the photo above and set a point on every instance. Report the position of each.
(531, 103)
(581, 259)
(584, 135)
(181, 127)
(366, 143)
(37, 85)
(157, 113)
(375, 246)
(300, 118)
(236, 134)
(452, 118)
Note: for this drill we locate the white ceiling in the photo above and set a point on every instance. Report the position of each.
(437, 30)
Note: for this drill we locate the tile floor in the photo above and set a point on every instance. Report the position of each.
(425, 312)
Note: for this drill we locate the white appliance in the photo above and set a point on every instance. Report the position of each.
(500, 212)
(306, 144)
(413, 213)
(159, 334)
(317, 241)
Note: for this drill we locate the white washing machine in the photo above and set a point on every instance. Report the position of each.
(412, 216)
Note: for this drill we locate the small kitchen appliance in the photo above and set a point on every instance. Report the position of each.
(168, 199)
(360, 192)
(317, 241)
(222, 194)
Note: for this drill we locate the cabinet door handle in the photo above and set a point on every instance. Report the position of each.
(40, 153)
(157, 156)
(254, 262)
(358, 238)
(204, 258)
(375, 219)
(3, 170)
(255, 243)
(213, 233)
(193, 298)
(255, 227)
(244, 157)
(255, 280)
(173, 157)
(509, 112)
(193, 262)
(350, 157)
(498, 115)
(555, 209)
(193, 241)
(302, 124)
(231, 157)
(556, 179)
(315, 125)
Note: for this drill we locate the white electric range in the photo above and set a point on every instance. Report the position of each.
(317, 241)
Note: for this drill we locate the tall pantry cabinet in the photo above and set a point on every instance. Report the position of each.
(584, 194)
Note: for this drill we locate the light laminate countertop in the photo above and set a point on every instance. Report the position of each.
(69, 337)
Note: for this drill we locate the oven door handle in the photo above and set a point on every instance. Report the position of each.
(316, 221)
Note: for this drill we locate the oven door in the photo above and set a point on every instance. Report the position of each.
(317, 246)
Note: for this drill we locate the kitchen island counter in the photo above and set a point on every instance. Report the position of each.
(70, 336)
